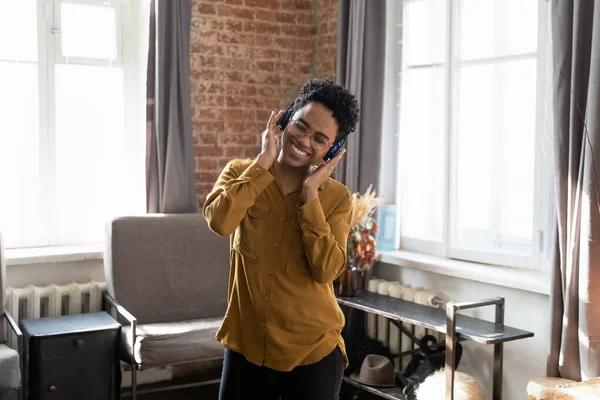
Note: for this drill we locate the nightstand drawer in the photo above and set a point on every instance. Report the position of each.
(67, 344)
(68, 378)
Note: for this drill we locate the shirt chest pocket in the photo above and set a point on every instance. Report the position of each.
(252, 229)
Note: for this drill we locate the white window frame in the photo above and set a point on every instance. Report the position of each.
(544, 222)
(49, 55)
(56, 33)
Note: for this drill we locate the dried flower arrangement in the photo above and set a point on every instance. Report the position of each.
(363, 229)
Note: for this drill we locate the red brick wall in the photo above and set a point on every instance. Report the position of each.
(325, 39)
(249, 57)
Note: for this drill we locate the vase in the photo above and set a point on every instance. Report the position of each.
(350, 281)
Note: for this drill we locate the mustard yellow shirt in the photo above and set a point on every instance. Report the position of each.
(282, 311)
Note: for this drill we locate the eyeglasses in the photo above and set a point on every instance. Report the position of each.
(318, 141)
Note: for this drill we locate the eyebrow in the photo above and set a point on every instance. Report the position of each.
(308, 125)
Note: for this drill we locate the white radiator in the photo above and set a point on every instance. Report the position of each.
(381, 329)
(53, 300)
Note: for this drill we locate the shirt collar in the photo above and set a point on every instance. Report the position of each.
(272, 171)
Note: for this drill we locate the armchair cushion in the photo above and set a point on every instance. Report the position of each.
(174, 342)
(10, 374)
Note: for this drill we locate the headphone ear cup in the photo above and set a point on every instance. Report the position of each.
(285, 118)
(335, 149)
(331, 153)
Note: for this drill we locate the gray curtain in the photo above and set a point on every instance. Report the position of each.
(360, 67)
(575, 297)
(170, 165)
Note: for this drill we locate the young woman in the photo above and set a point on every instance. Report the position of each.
(289, 224)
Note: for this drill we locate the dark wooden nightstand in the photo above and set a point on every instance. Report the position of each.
(72, 357)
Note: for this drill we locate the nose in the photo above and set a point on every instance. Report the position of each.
(305, 141)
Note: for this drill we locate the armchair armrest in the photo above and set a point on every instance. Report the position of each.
(123, 314)
(121, 311)
(13, 324)
(20, 345)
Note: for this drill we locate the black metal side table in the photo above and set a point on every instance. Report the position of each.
(456, 327)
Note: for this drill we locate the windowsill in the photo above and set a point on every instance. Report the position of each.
(53, 254)
(527, 280)
(515, 278)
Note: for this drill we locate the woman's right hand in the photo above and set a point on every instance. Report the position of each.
(271, 141)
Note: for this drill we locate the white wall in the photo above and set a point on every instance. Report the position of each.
(42, 274)
(523, 359)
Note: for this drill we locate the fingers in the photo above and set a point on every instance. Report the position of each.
(278, 116)
(332, 163)
(319, 166)
(273, 120)
(339, 156)
(335, 160)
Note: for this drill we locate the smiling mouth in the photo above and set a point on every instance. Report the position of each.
(299, 152)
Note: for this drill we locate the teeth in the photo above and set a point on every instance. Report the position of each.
(298, 151)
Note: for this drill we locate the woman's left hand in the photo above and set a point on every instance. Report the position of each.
(317, 176)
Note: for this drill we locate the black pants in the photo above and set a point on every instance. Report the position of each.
(242, 380)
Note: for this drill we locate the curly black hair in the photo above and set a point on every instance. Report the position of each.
(335, 97)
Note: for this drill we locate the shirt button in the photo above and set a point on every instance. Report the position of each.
(276, 244)
(271, 272)
(266, 298)
(304, 224)
(282, 219)
(257, 168)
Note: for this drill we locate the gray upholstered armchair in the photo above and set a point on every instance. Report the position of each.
(11, 361)
(167, 278)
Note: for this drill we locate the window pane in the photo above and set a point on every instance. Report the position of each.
(475, 150)
(495, 156)
(89, 31)
(422, 153)
(424, 32)
(19, 155)
(490, 28)
(517, 151)
(18, 30)
(91, 170)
